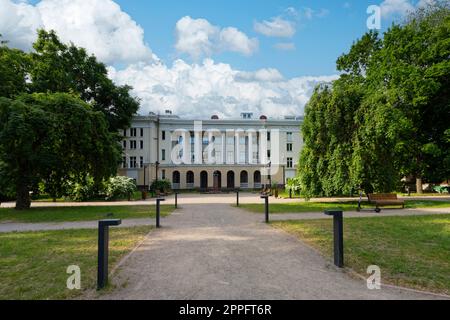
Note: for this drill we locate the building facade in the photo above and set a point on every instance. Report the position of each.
(212, 154)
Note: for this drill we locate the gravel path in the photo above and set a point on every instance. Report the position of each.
(23, 227)
(221, 252)
(197, 198)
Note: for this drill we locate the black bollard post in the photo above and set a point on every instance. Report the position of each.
(103, 239)
(176, 200)
(237, 198)
(338, 231)
(290, 193)
(266, 207)
(158, 211)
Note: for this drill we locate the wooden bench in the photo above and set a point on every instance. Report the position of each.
(384, 199)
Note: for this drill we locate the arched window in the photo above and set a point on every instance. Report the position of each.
(176, 180)
(176, 177)
(257, 179)
(244, 179)
(204, 180)
(190, 180)
(230, 180)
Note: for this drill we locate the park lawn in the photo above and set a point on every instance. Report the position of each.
(411, 251)
(136, 196)
(85, 213)
(305, 206)
(33, 265)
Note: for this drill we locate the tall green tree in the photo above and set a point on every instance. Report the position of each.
(59, 67)
(14, 67)
(53, 138)
(388, 115)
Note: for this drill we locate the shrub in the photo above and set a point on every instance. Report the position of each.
(161, 186)
(83, 191)
(119, 187)
(294, 185)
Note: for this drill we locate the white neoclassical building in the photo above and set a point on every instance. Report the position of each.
(246, 153)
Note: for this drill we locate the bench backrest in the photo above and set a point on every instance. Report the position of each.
(382, 196)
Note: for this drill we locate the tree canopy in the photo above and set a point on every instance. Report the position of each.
(387, 116)
(59, 118)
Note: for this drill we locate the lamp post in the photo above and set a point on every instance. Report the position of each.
(157, 169)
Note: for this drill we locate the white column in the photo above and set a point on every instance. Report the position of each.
(198, 142)
(224, 148)
(250, 147)
(237, 147)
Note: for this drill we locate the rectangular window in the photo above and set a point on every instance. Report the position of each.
(242, 157)
(289, 147)
(268, 154)
(242, 140)
(124, 162)
(142, 144)
(230, 157)
(142, 132)
(230, 140)
(133, 144)
(255, 156)
(289, 137)
(290, 163)
(163, 174)
(125, 132)
(141, 162)
(218, 156)
(124, 144)
(133, 163)
(133, 132)
(163, 155)
(268, 136)
(163, 134)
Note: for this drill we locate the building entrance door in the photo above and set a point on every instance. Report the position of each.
(217, 181)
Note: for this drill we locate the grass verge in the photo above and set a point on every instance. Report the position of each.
(411, 251)
(33, 264)
(85, 213)
(303, 206)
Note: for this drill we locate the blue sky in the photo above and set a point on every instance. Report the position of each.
(318, 40)
(199, 57)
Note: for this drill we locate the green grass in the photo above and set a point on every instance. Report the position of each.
(85, 213)
(33, 264)
(303, 206)
(411, 251)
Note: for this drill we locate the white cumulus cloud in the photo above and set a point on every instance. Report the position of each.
(199, 38)
(275, 27)
(200, 90)
(100, 26)
(396, 7)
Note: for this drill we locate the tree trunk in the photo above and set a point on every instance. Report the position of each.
(419, 188)
(23, 201)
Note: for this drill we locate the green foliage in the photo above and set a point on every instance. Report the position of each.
(160, 185)
(388, 114)
(14, 65)
(294, 185)
(55, 138)
(59, 117)
(119, 187)
(57, 67)
(82, 190)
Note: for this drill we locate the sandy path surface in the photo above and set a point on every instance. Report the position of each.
(197, 198)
